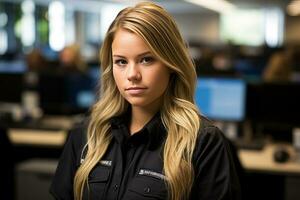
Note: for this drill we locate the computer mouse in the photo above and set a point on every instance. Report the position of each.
(281, 155)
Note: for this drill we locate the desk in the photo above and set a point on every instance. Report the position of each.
(49, 138)
(48, 132)
(263, 160)
(266, 179)
(52, 132)
(27, 139)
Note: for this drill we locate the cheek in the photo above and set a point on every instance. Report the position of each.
(164, 77)
(161, 82)
(118, 80)
(116, 76)
(165, 81)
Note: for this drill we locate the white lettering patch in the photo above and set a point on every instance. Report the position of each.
(106, 162)
(146, 172)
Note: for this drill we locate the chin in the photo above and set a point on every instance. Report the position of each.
(143, 102)
(137, 103)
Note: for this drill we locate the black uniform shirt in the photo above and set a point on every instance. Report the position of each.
(132, 167)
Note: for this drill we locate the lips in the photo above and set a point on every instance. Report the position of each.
(135, 90)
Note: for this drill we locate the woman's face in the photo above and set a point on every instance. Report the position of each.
(140, 77)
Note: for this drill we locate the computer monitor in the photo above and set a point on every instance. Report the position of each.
(274, 108)
(221, 99)
(277, 103)
(13, 67)
(68, 93)
(11, 81)
(82, 89)
(11, 86)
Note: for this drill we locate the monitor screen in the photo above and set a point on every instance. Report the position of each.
(276, 103)
(273, 109)
(11, 86)
(81, 89)
(11, 81)
(13, 67)
(221, 98)
(68, 93)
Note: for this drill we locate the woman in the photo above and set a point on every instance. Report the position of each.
(145, 138)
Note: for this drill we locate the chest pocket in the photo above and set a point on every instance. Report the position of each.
(147, 188)
(97, 183)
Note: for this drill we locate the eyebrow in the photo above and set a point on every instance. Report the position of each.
(142, 54)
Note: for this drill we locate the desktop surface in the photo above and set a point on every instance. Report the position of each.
(262, 161)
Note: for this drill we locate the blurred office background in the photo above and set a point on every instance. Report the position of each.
(246, 54)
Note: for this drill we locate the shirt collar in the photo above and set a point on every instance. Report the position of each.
(153, 132)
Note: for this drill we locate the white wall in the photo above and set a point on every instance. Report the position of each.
(205, 28)
(199, 27)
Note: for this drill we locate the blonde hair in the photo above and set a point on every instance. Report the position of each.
(178, 113)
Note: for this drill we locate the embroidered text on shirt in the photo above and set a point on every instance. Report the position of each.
(106, 162)
(153, 174)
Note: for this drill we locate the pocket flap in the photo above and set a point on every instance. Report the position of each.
(99, 174)
(149, 187)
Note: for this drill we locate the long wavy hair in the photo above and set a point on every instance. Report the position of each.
(179, 114)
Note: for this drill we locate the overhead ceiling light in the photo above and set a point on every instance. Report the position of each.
(220, 6)
(293, 8)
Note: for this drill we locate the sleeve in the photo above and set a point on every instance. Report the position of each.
(215, 172)
(62, 183)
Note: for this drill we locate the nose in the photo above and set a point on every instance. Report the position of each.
(133, 73)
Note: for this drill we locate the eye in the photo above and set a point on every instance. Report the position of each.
(147, 60)
(120, 62)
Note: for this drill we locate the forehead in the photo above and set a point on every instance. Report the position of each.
(127, 42)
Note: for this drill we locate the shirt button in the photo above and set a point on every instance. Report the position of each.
(116, 187)
(147, 190)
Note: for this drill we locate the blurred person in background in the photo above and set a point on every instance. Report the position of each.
(279, 67)
(222, 63)
(71, 60)
(36, 62)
